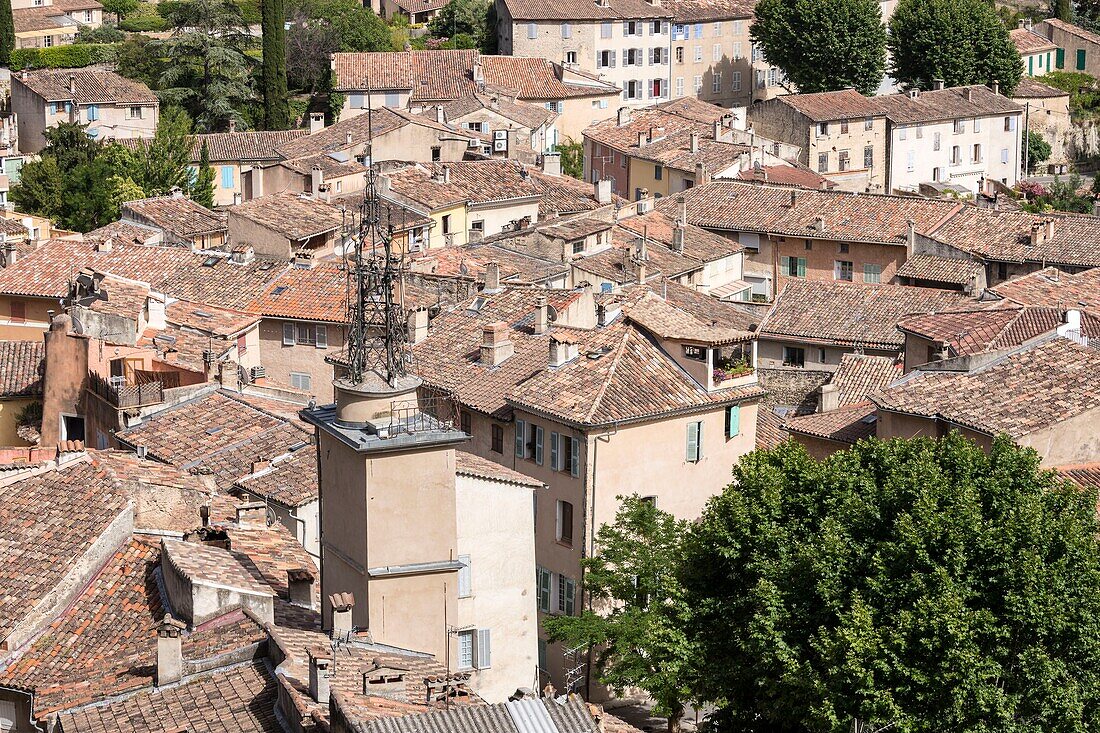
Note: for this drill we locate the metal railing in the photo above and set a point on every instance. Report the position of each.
(129, 396)
(424, 414)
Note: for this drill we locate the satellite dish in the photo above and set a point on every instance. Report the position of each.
(551, 313)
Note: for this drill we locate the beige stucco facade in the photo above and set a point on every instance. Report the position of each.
(958, 151)
(286, 363)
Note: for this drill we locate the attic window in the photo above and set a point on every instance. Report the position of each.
(210, 261)
(203, 314)
(869, 420)
(298, 446)
(279, 290)
(478, 304)
(696, 353)
(213, 431)
(599, 353)
(266, 266)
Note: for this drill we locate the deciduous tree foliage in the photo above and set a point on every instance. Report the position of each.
(823, 45)
(1062, 9)
(637, 623)
(475, 19)
(163, 162)
(916, 584)
(959, 41)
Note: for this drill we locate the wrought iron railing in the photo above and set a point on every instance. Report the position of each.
(437, 412)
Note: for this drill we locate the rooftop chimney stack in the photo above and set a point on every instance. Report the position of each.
(694, 142)
(830, 397)
(252, 515)
(232, 125)
(623, 116)
(911, 234)
(440, 116)
(169, 650)
(642, 140)
(562, 351)
(347, 138)
(204, 514)
(603, 191)
(72, 84)
(495, 344)
(316, 122)
(320, 659)
(299, 582)
(492, 277)
(418, 325)
(996, 87)
(342, 603)
(317, 180)
(794, 197)
(937, 84)
(542, 315)
(970, 94)
(551, 164)
(718, 132)
(702, 175)
(445, 174)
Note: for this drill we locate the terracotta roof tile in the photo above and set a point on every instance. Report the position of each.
(970, 332)
(1005, 236)
(471, 261)
(1030, 88)
(22, 366)
(844, 425)
(933, 268)
(928, 106)
(92, 86)
(430, 76)
(584, 10)
(859, 375)
(1074, 30)
(664, 319)
(1028, 41)
(689, 11)
(473, 465)
(1085, 475)
(209, 319)
(562, 195)
(315, 294)
(531, 116)
(486, 181)
(786, 175)
(176, 215)
(243, 146)
(537, 79)
(769, 428)
(1052, 287)
(290, 479)
(417, 184)
(125, 233)
(294, 215)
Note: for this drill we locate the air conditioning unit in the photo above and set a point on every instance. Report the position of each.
(257, 372)
(500, 146)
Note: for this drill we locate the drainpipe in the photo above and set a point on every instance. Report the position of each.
(588, 543)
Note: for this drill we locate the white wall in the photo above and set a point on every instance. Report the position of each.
(918, 148)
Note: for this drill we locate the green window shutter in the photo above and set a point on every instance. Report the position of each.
(733, 421)
(575, 457)
(1031, 66)
(1060, 58)
(785, 265)
(692, 442)
(1080, 59)
(802, 267)
(538, 444)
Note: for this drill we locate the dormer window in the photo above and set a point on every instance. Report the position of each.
(695, 353)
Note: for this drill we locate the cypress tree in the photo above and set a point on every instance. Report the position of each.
(202, 192)
(273, 72)
(7, 32)
(1062, 9)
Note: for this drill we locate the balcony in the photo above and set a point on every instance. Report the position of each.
(128, 396)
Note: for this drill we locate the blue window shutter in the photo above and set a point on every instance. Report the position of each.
(555, 453)
(519, 438)
(575, 458)
(733, 421)
(785, 265)
(802, 267)
(227, 176)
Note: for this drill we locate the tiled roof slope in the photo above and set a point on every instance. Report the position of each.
(704, 10)
(315, 294)
(1005, 236)
(243, 146)
(178, 215)
(237, 700)
(1072, 29)
(662, 128)
(562, 195)
(975, 331)
(93, 86)
(927, 106)
(850, 314)
(469, 464)
(1052, 287)
(290, 480)
(292, 214)
(1030, 88)
(736, 205)
(933, 268)
(859, 375)
(537, 79)
(486, 181)
(769, 428)
(584, 10)
(48, 521)
(528, 115)
(846, 424)
(1028, 41)
(471, 261)
(567, 715)
(22, 365)
(1085, 475)
(786, 175)
(435, 75)
(1018, 394)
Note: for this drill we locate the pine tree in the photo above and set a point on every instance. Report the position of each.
(273, 71)
(202, 191)
(1062, 9)
(7, 32)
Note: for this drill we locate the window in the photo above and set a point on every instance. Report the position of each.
(738, 28)
(733, 421)
(869, 157)
(822, 162)
(566, 30)
(135, 113)
(631, 28)
(93, 113)
(694, 442)
(466, 649)
(659, 56)
(242, 345)
(227, 176)
(47, 41)
(464, 577)
(976, 153)
(792, 266)
(532, 31)
(872, 273)
(936, 141)
(72, 427)
(567, 593)
(305, 333)
(902, 133)
(478, 226)
(869, 123)
(735, 81)
(716, 83)
(465, 422)
(1080, 59)
(844, 127)
(716, 52)
(843, 163)
(910, 160)
(920, 132)
(1004, 155)
(822, 129)
(960, 127)
(737, 54)
(697, 30)
(794, 356)
(698, 53)
(570, 57)
(956, 155)
(633, 57)
(301, 381)
(678, 32)
(484, 658)
(679, 86)
(809, 245)
(658, 173)
(102, 442)
(633, 90)
(532, 446)
(1010, 124)
(565, 523)
(937, 174)
(605, 59)
(87, 16)
(543, 579)
(572, 459)
(717, 29)
(842, 270)
(977, 124)
(446, 223)
(658, 88)
(605, 29)
(18, 311)
(437, 154)
(1060, 58)
(679, 54)
(498, 439)
(521, 449)
(697, 82)
(843, 248)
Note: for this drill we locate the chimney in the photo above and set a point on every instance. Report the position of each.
(494, 102)
(204, 514)
(624, 116)
(682, 206)
(479, 74)
(492, 277)
(232, 125)
(562, 351)
(169, 650)
(495, 344)
(970, 94)
(342, 603)
(702, 176)
(794, 197)
(678, 238)
(252, 515)
(603, 191)
(996, 87)
(316, 122)
(542, 315)
(642, 140)
(819, 223)
(72, 84)
(347, 139)
(1095, 210)
(830, 397)
(258, 466)
(299, 582)
(317, 180)
(445, 174)
(105, 245)
(1049, 228)
(1036, 233)
(937, 84)
(320, 659)
(694, 142)
(718, 132)
(418, 325)
(237, 198)
(440, 117)
(911, 233)
(551, 164)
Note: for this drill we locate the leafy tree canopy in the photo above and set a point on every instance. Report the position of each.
(823, 45)
(1038, 149)
(469, 23)
(959, 41)
(917, 584)
(7, 32)
(121, 8)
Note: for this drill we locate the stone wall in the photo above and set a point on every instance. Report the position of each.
(792, 387)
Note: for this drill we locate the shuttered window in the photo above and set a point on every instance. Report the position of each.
(555, 452)
(733, 421)
(464, 577)
(694, 441)
(466, 649)
(538, 444)
(543, 579)
(288, 334)
(520, 427)
(322, 336)
(484, 649)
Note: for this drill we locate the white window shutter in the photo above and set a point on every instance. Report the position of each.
(484, 649)
(288, 334)
(693, 442)
(322, 336)
(520, 429)
(464, 577)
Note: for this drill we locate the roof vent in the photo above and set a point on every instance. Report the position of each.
(914, 93)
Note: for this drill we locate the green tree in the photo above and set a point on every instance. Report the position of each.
(273, 68)
(1038, 150)
(202, 190)
(471, 19)
(121, 8)
(7, 32)
(163, 163)
(1062, 9)
(913, 585)
(139, 59)
(40, 188)
(206, 67)
(572, 157)
(637, 619)
(823, 45)
(102, 34)
(959, 41)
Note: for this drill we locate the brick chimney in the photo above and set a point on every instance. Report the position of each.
(317, 180)
(542, 315)
(299, 582)
(252, 515)
(342, 603)
(937, 84)
(320, 659)
(495, 344)
(702, 176)
(316, 122)
(830, 397)
(169, 650)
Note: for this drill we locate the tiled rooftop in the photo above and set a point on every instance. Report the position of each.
(537, 79)
(859, 375)
(1052, 287)
(1030, 88)
(469, 464)
(1028, 41)
(92, 86)
(436, 75)
(971, 331)
(584, 10)
(209, 319)
(528, 115)
(486, 181)
(22, 366)
(1005, 236)
(933, 268)
(1085, 475)
(293, 215)
(251, 145)
(928, 106)
(844, 425)
(290, 480)
(315, 294)
(204, 563)
(178, 215)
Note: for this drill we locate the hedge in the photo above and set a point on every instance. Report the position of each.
(64, 57)
(143, 23)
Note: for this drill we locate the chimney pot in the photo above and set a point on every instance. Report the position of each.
(562, 352)
(320, 659)
(342, 605)
(830, 397)
(911, 233)
(996, 87)
(694, 145)
(232, 125)
(702, 176)
(204, 514)
(300, 587)
(492, 277)
(348, 139)
(496, 346)
(542, 315)
(169, 650)
(418, 325)
(937, 84)
(641, 139)
(72, 83)
(316, 122)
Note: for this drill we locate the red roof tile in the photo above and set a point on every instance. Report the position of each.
(22, 366)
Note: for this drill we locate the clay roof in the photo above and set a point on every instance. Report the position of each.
(666, 132)
(290, 479)
(1028, 41)
(48, 521)
(769, 428)
(471, 260)
(976, 331)
(293, 215)
(657, 226)
(22, 366)
(243, 146)
(736, 205)
(1052, 287)
(469, 464)
(488, 181)
(315, 294)
(563, 195)
(1030, 88)
(362, 129)
(849, 314)
(786, 175)
(538, 79)
(239, 699)
(843, 425)
(125, 232)
(177, 215)
(150, 485)
(118, 297)
(199, 562)
(567, 714)
(931, 106)
(584, 10)
(435, 75)
(224, 322)
(1085, 475)
(1025, 391)
(933, 268)
(844, 104)
(1072, 29)
(219, 432)
(92, 86)
(664, 319)
(329, 163)
(688, 11)
(1005, 236)
(417, 184)
(528, 115)
(859, 375)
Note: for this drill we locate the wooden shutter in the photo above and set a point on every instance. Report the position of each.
(693, 442)
(464, 577)
(1060, 58)
(18, 311)
(570, 596)
(802, 267)
(575, 457)
(322, 336)
(520, 427)
(555, 452)
(484, 649)
(538, 444)
(288, 334)
(733, 421)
